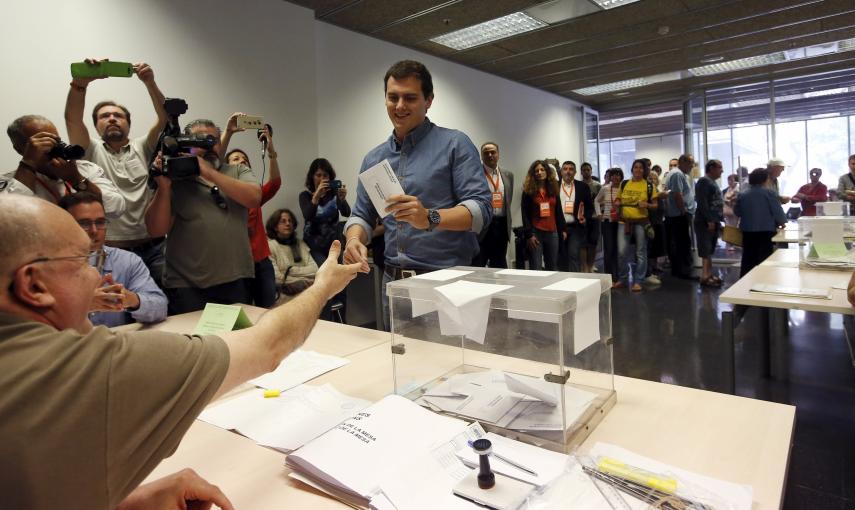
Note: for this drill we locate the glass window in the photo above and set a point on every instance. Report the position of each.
(623, 154)
(605, 155)
(720, 149)
(827, 145)
(851, 135)
(750, 146)
(791, 146)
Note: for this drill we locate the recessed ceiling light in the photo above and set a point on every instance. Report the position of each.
(628, 84)
(826, 92)
(489, 31)
(710, 60)
(621, 93)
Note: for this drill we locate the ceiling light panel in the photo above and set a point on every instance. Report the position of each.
(611, 4)
(739, 64)
(489, 31)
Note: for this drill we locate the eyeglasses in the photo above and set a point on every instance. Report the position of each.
(100, 224)
(96, 258)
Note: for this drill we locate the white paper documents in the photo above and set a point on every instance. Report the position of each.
(442, 275)
(487, 396)
(781, 290)
(299, 367)
(380, 183)
(586, 321)
(286, 422)
(355, 458)
(464, 308)
(525, 272)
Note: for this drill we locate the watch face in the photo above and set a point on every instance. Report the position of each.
(433, 217)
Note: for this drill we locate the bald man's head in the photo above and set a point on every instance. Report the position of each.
(44, 271)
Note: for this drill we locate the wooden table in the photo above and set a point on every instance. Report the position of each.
(773, 333)
(732, 438)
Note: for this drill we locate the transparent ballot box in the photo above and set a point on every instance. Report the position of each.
(832, 208)
(528, 354)
(829, 242)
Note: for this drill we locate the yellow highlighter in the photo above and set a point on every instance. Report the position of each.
(271, 393)
(656, 481)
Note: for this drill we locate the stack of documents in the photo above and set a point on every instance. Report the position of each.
(509, 400)
(782, 290)
(288, 421)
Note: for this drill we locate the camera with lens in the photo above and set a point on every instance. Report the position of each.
(67, 152)
(335, 185)
(175, 146)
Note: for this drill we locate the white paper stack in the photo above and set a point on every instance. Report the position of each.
(299, 367)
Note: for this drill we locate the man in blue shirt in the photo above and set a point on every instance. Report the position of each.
(128, 293)
(680, 207)
(447, 201)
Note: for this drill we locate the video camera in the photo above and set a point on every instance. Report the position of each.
(174, 145)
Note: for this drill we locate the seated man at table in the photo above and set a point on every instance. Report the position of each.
(129, 294)
(103, 408)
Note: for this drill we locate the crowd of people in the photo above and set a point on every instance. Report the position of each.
(102, 231)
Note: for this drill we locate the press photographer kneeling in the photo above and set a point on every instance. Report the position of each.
(204, 214)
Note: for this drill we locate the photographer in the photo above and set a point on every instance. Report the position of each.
(263, 287)
(49, 169)
(322, 202)
(125, 161)
(208, 257)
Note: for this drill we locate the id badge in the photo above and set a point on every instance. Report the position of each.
(498, 201)
(545, 211)
(568, 207)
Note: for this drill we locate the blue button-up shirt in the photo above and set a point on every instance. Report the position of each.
(129, 270)
(682, 183)
(443, 169)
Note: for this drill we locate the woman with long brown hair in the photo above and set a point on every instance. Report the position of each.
(542, 216)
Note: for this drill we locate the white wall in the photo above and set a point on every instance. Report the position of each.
(527, 123)
(254, 56)
(318, 85)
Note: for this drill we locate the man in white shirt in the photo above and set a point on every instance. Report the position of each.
(45, 172)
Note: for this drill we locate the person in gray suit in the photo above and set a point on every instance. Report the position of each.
(493, 240)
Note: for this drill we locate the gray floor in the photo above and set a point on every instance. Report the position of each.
(672, 334)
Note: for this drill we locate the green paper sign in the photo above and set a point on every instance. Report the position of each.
(218, 318)
(827, 250)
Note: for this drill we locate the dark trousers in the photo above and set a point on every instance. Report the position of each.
(151, 254)
(756, 247)
(679, 245)
(569, 254)
(191, 299)
(493, 248)
(610, 249)
(547, 250)
(262, 288)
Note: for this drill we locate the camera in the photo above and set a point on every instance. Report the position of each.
(67, 152)
(335, 185)
(174, 145)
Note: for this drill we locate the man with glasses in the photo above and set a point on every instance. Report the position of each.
(104, 407)
(208, 256)
(128, 293)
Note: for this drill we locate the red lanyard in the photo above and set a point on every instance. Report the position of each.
(497, 182)
(572, 187)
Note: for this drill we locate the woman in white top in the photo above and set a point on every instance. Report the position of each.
(609, 216)
(293, 264)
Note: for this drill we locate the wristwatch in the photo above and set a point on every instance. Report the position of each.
(82, 184)
(433, 219)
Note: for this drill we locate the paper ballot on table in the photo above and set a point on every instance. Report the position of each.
(287, 422)
(300, 366)
(354, 458)
(586, 321)
(525, 272)
(464, 308)
(380, 183)
(442, 275)
(782, 290)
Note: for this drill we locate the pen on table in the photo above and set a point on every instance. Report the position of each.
(509, 461)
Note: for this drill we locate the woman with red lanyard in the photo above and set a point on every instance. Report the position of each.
(609, 216)
(542, 216)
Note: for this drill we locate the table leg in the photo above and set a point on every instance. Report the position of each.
(728, 327)
(765, 342)
(779, 343)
